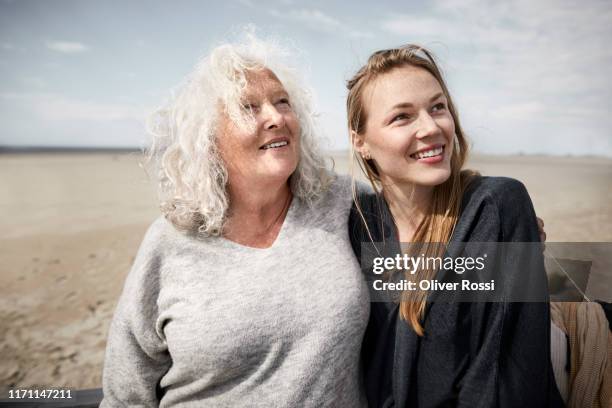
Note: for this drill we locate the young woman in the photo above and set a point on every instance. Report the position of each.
(418, 353)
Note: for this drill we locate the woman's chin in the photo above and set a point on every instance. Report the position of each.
(280, 171)
(432, 178)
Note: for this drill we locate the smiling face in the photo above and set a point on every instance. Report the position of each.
(409, 131)
(268, 152)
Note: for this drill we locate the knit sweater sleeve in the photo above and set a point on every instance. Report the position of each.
(136, 352)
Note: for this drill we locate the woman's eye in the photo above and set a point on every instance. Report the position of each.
(249, 107)
(438, 107)
(284, 101)
(401, 116)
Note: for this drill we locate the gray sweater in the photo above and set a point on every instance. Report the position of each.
(208, 322)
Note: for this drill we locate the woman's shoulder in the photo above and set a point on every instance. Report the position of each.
(159, 232)
(339, 183)
(498, 191)
(365, 197)
(494, 185)
(496, 209)
(160, 240)
(370, 217)
(337, 196)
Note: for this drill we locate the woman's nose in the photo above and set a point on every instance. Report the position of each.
(271, 117)
(427, 126)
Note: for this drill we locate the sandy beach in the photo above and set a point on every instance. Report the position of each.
(72, 224)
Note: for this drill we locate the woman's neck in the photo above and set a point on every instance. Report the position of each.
(256, 214)
(409, 204)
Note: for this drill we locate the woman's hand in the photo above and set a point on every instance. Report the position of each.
(541, 229)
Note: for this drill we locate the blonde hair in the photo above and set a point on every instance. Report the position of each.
(438, 224)
(191, 174)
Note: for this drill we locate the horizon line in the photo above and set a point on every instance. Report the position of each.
(7, 149)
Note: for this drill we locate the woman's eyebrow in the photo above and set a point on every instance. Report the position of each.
(410, 105)
(436, 96)
(280, 92)
(401, 105)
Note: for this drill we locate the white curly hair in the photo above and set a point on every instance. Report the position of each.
(183, 154)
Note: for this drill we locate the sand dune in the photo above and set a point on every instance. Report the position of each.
(72, 223)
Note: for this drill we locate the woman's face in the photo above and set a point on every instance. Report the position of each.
(409, 131)
(270, 151)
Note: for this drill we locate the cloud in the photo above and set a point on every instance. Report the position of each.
(316, 18)
(67, 47)
(11, 47)
(320, 21)
(422, 26)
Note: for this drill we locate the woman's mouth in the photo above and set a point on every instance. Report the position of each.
(274, 145)
(430, 155)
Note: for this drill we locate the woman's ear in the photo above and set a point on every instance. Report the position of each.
(360, 145)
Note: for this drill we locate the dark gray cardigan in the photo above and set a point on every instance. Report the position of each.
(472, 354)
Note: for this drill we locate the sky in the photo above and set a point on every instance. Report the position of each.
(528, 77)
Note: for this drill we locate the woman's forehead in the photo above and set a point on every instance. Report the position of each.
(405, 84)
(262, 82)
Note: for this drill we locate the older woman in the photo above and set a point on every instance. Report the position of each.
(246, 292)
